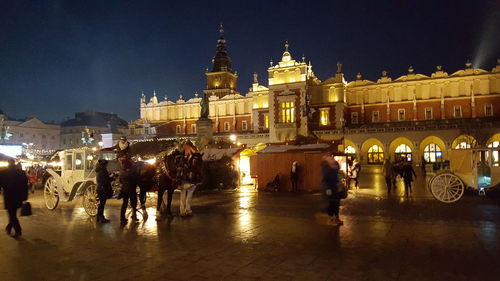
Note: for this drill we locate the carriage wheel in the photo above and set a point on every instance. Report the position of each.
(91, 200)
(447, 187)
(50, 194)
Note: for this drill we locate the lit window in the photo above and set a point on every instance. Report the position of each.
(226, 126)
(288, 112)
(193, 128)
(496, 152)
(432, 153)
(178, 129)
(488, 109)
(375, 116)
(266, 121)
(244, 125)
(69, 162)
(375, 155)
(401, 115)
(78, 161)
(428, 113)
(354, 118)
(324, 116)
(403, 151)
(457, 111)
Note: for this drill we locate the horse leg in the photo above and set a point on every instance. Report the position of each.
(170, 196)
(182, 202)
(161, 191)
(189, 198)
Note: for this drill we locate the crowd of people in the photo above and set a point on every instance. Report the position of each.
(335, 183)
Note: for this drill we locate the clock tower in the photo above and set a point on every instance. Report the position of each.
(221, 80)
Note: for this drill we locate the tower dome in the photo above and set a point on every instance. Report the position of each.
(286, 55)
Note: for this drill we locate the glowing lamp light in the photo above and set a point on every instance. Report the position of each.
(90, 157)
(78, 162)
(232, 137)
(55, 164)
(151, 161)
(94, 148)
(238, 143)
(100, 143)
(4, 164)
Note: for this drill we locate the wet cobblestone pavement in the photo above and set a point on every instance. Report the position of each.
(245, 235)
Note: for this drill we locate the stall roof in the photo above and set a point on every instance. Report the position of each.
(4, 157)
(213, 154)
(289, 148)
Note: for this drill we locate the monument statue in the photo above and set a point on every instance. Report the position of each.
(204, 107)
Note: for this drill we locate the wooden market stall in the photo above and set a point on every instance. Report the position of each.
(278, 159)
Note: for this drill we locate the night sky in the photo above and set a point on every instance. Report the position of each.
(61, 57)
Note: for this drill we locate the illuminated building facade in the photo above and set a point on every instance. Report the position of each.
(414, 116)
(90, 124)
(37, 138)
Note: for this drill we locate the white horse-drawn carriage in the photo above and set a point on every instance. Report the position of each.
(476, 168)
(76, 176)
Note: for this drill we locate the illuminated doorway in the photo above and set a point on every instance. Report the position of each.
(375, 155)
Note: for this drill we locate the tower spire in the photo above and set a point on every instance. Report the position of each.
(221, 61)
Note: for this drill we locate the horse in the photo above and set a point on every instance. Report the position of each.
(191, 177)
(143, 177)
(185, 172)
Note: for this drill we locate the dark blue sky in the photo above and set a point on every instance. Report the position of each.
(60, 57)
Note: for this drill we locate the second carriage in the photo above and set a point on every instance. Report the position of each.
(476, 168)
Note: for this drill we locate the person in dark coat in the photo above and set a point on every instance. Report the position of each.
(329, 184)
(128, 191)
(14, 183)
(294, 176)
(408, 173)
(104, 190)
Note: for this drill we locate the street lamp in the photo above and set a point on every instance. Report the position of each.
(87, 136)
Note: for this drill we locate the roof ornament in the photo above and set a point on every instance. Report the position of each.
(384, 73)
(196, 95)
(180, 96)
(221, 29)
(359, 76)
(255, 76)
(468, 64)
(410, 70)
(303, 58)
(286, 46)
(439, 68)
(154, 93)
(165, 98)
(339, 67)
(271, 62)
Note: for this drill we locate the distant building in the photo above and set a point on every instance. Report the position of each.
(414, 116)
(89, 124)
(37, 137)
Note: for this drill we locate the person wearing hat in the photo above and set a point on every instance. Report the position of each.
(122, 148)
(104, 190)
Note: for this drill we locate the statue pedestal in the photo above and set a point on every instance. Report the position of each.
(204, 129)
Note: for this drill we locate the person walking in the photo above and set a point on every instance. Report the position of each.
(104, 190)
(329, 184)
(294, 175)
(389, 175)
(408, 173)
(354, 173)
(14, 183)
(128, 191)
